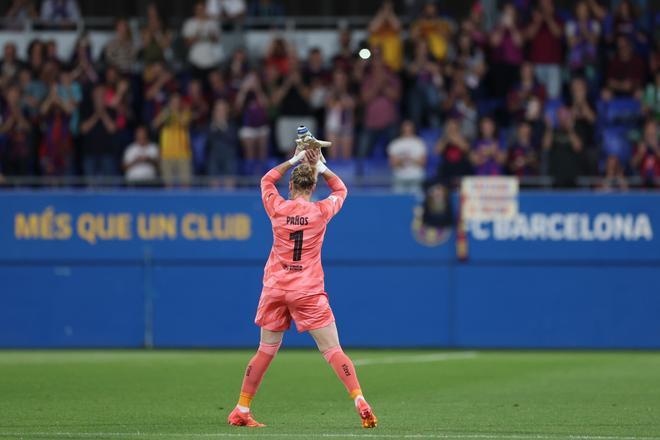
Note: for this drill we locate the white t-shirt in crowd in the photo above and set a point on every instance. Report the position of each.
(410, 149)
(204, 53)
(231, 8)
(141, 171)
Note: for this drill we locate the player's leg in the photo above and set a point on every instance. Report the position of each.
(327, 340)
(254, 374)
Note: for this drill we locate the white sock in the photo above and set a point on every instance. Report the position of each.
(243, 409)
(357, 399)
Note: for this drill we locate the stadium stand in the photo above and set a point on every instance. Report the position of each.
(75, 87)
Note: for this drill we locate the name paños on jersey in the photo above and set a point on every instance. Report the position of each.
(297, 220)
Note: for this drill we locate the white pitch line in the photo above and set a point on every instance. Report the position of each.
(417, 359)
(477, 436)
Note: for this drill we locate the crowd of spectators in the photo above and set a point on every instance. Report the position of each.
(541, 92)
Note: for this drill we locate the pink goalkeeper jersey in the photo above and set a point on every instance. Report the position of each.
(298, 231)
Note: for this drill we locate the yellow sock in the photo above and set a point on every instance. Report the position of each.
(355, 393)
(245, 400)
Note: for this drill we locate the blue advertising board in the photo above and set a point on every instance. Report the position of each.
(183, 269)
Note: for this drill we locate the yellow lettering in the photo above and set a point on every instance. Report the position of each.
(167, 224)
(186, 227)
(63, 222)
(203, 230)
(124, 226)
(243, 227)
(85, 228)
(46, 223)
(218, 231)
(26, 227)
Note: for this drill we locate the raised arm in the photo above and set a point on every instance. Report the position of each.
(331, 206)
(270, 196)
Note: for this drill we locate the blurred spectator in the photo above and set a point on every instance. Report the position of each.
(118, 98)
(506, 42)
(83, 66)
(36, 57)
(424, 95)
(278, 54)
(454, 150)
(156, 39)
(140, 161)
(614, 176)
(471, 58)
(646, 156)
(380, 95)
(21, 11)
(584, 116)
(218, 87)
(582, 35)
(10, 64)
(318, 77)
(51, 52)
(407, 156)
(32, 93)
(487, 157)
(626, 72)
(459, 105)
(625, 22)
(173, 122)
(237, 70)
(202, 37)
(17, 155)
(222, 143)
(56, 149)
(385, 35)
(340, 116)
(474, 24)
(70, 92)
(232, 11)
(158, 84)
(98, 129)
(292, 99)
(252, 104)
(60, 12)
(119, 51)
(545, 46)
(652, 97)
(266, 8)
(522, 155)
(563, 148)
(199, 122)
(434, 30)
(526, 94)
(345, 56)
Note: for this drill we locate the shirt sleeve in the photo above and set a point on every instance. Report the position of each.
(331, 206)
(270, 197)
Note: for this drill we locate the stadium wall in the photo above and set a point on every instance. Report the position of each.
(183, 269)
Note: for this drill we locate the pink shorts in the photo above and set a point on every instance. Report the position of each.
(277, 307)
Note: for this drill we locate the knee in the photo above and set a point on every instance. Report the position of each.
(270, 349)
(331, 352)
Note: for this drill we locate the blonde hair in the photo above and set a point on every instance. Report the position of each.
(303, 178)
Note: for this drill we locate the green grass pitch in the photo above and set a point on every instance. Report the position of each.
(416, 394)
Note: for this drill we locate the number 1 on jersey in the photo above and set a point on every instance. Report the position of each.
(297, 238)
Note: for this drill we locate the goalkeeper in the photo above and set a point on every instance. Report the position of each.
(293, 286)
